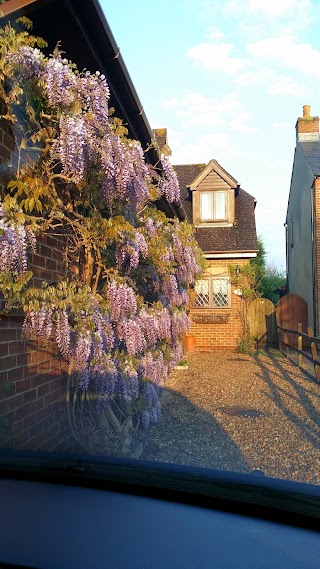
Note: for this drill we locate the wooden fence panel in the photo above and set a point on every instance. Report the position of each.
(291, 310)
(263, 324)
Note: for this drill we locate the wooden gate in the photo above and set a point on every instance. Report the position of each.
(291, 310)
(263, 325)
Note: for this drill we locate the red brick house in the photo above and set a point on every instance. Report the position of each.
(224, 219)
(32, 375)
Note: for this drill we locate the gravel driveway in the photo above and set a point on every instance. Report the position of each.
(197, 429)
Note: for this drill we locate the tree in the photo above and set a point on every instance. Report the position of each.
(119, 313)
(270, 279)
(272, 282)
(259, 262)
(246, 282)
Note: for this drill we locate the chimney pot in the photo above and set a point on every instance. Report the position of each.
(307, 127)
(306, 111)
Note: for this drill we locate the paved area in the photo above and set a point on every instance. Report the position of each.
(237, 412)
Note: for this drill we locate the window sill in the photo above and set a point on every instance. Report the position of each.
(215, 308)
(213, 224)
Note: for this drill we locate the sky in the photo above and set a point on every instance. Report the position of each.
(228, 80)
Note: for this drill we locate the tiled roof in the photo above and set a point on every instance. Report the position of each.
(186, 174)
(311, 150)
(240, 237)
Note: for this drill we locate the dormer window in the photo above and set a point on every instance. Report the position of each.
(213, 197)
(213, 206)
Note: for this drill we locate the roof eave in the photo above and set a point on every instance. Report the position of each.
(95, 29)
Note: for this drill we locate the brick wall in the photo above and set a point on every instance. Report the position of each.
(219, 328)
(32, 374)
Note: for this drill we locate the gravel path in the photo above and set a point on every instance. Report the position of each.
(284, 442)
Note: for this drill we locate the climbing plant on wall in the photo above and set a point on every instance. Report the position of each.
(118, 314)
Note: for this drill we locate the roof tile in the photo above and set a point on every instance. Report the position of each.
(311, 150)
(240, 237)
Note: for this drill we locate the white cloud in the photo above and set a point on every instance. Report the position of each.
(202, 148)
(241, 122)
(255, 75)
(283, 85)
(287, 52)
(217, 56)
(198, 111)
(262, 63)
(280, 125)
(256, 18)
(268, 8)
(214, 33)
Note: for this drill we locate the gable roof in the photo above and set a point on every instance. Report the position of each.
(213, 166)
(311, 150)
(242, 236)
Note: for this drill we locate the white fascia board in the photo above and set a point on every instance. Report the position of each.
(230, 255)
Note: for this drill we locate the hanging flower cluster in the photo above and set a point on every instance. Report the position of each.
(27, 62)
(131, 251)
(169, 185)
(14, 241)
(119, 321)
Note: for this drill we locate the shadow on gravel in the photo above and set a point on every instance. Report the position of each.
(188, 435)
(289, 391)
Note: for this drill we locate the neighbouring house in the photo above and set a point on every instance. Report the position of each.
(303, 217)
(32, 375)
(223, 216)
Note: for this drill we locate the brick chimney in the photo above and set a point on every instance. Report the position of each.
(160, 135)
(307, 127)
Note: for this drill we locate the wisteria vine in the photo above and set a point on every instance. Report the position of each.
(119, 321)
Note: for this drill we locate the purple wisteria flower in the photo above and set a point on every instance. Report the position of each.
(123, 340)
(71, 145)
(150, 226)
(123, 301)
(176, 296)
(168, 184)
(131, 250)
(127, 386)
(131, 334)
(28, 62)
(63, 332)
(60, 82)
(93, 92)
(127, 177)
(14, 241)
(153, 368)
(188, 266)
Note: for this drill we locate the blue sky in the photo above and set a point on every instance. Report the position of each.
(228, 80)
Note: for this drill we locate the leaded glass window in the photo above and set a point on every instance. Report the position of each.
(202, 290)
(220, 292)
(212, 292)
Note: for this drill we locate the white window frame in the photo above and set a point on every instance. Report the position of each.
(212, 215)
(211, 300)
